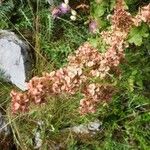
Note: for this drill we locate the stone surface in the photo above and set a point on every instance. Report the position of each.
(90, 128)
(37, 141)
(80, 132)
(4, 129)
(15, 59)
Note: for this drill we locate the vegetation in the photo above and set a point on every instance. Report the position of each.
(125, 118)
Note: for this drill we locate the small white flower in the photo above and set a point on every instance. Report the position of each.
(66, 1)
(73, 12)
(73, 17)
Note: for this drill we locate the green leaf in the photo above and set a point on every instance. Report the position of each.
(100, 9)
(136, 39)
(137, 34)
(112, 4)
(94, 42)
(131, 2)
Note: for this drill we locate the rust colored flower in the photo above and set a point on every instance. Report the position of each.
(143, 15)
(121, 19)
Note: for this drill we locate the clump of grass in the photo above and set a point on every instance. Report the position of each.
(54, 116)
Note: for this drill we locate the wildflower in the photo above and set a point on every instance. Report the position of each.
(93, 26)
(66, 1)
(143, 15)
(19, 101)
(73, 12)
(91, 89)
(64, 8)
(121, 19)
(73, 18)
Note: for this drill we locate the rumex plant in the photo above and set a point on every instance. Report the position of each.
(87, 68)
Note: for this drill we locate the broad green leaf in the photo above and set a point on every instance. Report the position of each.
(100, 9)
(136, 39)
(112, 4)
(137, 34)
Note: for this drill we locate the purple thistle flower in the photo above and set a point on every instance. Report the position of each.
(60, 10)
(93, 26)
(64, 8)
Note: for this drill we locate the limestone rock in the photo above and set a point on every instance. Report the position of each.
(90, 128)
(15, 59)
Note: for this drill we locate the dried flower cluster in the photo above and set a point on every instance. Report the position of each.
(121, 20)
(87, 63)
(143, 15)
(93, 95)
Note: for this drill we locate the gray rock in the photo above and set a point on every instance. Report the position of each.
(15, 59)
(4, 129)
(90, 128)
(37, 141)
